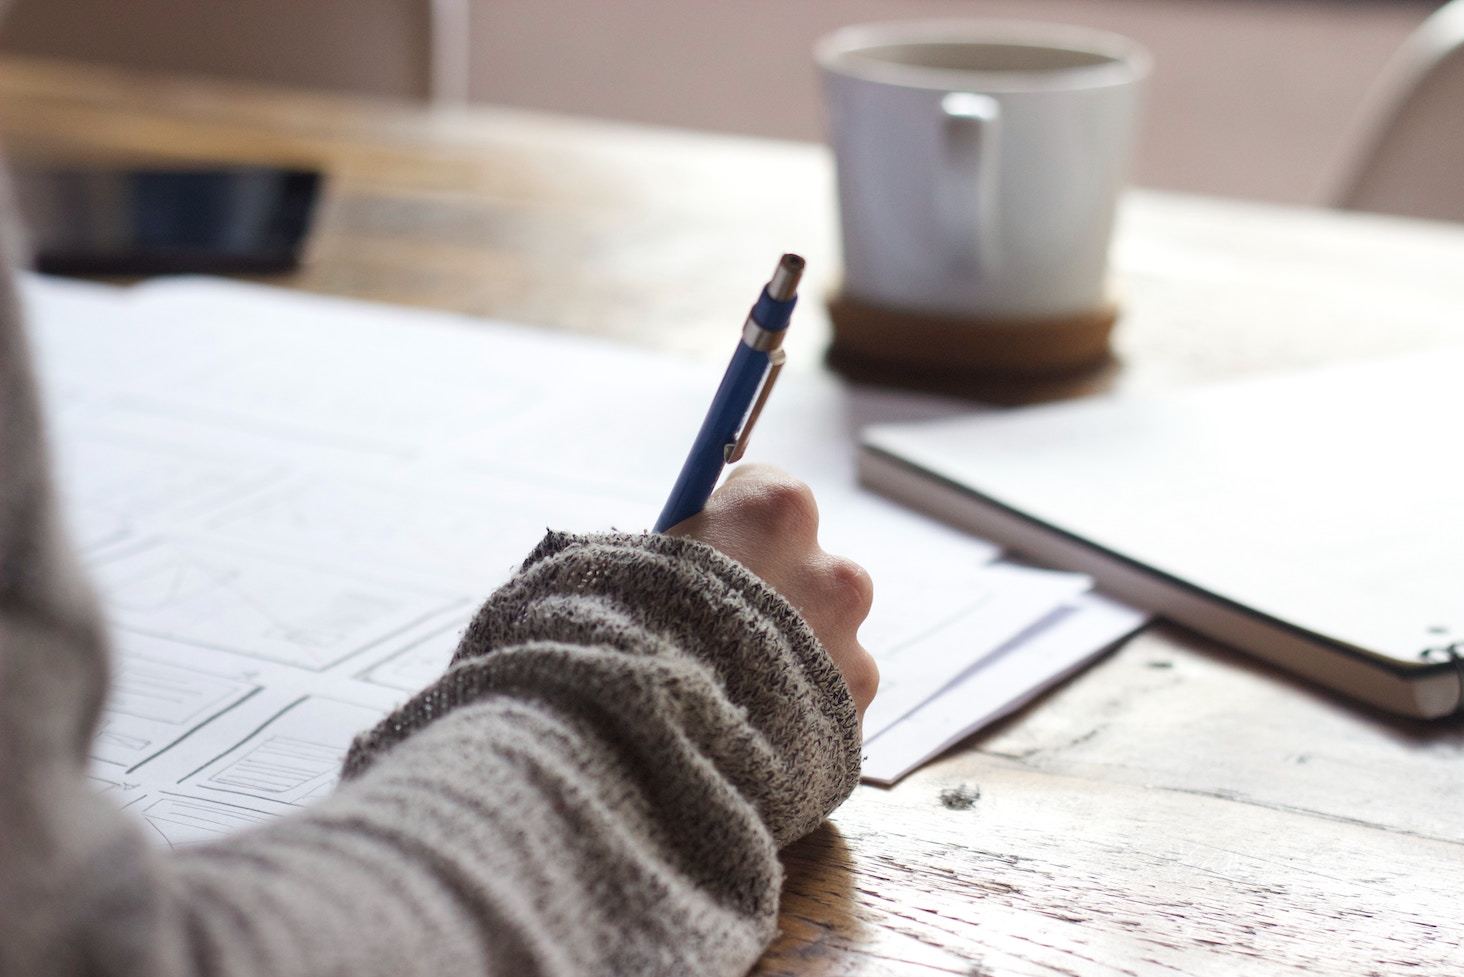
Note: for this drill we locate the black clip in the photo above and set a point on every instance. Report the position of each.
(1443, 655)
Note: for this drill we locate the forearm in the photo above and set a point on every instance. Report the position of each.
(482, 848)
(598, 786)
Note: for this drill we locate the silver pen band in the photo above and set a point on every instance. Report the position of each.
(760, 339)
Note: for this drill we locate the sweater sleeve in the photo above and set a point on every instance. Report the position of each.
(599, 784)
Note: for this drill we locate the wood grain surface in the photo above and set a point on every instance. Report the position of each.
(1177, 809)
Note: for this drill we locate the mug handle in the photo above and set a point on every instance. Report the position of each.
(968, 178)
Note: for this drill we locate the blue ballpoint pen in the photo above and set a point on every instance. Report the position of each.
(755, 365)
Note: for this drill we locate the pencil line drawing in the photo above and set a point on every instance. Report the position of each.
(255, 605)
(180, 821)
(419, 663)
(291, 758)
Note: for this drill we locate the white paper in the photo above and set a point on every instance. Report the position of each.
(292, 505)
(951, 635)
(999, 685)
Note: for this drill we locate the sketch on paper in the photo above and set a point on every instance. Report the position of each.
(153, 704)
(179, 820)
(113, 485)
(255, 605)
(419, 663)
(293, 758)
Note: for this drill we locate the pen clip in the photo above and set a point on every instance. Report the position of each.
(735, 451)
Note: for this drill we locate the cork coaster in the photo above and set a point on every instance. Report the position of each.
(900, 346)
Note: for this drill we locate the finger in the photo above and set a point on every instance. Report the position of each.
(755, 469)
(851, 588)
(837, 596)
(862, 677)
(859, 670)
(771, 503)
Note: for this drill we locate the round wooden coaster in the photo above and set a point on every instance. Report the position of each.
(910, 346)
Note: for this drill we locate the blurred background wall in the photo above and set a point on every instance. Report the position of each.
(1251, 98)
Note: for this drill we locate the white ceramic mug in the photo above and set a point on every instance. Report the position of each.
(979, 164)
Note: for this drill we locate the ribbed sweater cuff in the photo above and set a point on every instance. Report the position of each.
(661, 601)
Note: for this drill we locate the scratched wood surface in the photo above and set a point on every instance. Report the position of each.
(1175, 810)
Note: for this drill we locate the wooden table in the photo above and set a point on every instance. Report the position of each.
(1178, 808)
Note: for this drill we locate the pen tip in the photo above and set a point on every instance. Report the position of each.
(784, 283)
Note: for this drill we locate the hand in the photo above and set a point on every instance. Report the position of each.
(767, 520)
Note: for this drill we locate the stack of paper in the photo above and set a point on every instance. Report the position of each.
(292, 505)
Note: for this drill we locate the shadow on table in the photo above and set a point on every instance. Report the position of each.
(1448, 730)
(817, 923)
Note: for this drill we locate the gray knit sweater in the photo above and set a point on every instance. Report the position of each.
(599, 784)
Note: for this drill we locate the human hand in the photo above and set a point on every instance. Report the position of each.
(768, 521)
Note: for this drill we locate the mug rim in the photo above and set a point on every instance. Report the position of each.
(1126, 61)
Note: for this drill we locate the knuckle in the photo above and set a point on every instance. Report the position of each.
(785, 505)
(863, 678)
(852, 586)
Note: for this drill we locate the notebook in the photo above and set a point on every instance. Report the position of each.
(1314, 520)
